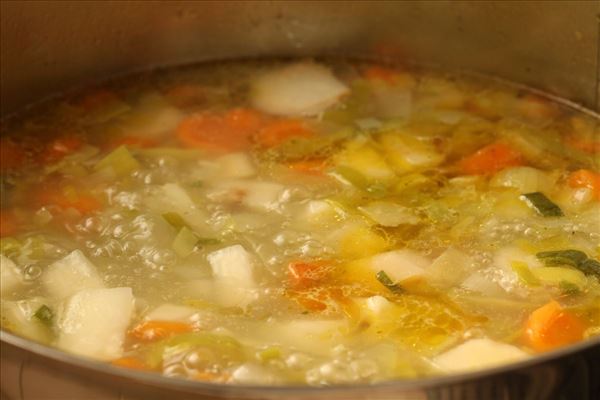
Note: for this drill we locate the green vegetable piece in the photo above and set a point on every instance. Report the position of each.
(120, 161)
(175, 220)
(569, 288)
(562, 257)
(590, 267)
(524, 273)
(542, 204)
(185, 242)
(207, 241)
(388, 283)
(45, 315)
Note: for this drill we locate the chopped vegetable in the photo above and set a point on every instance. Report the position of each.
(220, 133)
(357, 180)
(175, 220)
(120, 161)
(524, 273)
(304, 274)
(556, 275)
(542, 204)
(569, 288)
(388, 283)
(551, 326)
(131, 363)
(584, 178)
(280, 131)
(150, 331)
(67, 197)
(69, 275)
(61, 147)
(491, 159)
(470, 356)
(574, 258)
(101, 314)
(45, 315)
(185, 242)
(297, 89)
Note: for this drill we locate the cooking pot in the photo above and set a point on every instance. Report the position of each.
(49, 47)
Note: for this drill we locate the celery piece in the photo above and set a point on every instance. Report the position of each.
(524, 273)
(542, 204)
(45, 315)
(120, 161)
(185, 242)
(386, 281)
(175, 220)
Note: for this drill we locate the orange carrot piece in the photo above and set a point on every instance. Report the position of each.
(131, 363)
(12, 155)
(8, 223)
(220, 133)
(313, 167)
(550, 326)
(149, 331)
(281, 131)
(305, 274)
(587, 146)
(584, 178)
(490, 159)
(536, 107)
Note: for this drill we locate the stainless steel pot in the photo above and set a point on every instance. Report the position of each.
(48, 47)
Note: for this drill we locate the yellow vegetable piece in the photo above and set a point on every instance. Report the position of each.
(406, 153)
(361, 241)
(363, 157)
(556, 275)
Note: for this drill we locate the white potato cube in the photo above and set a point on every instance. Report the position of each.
(93, 322)
(303, 88)
(10, 276)
(236, 165)
(477, 354)
(233, 264)
(399, 265)
(71, 274)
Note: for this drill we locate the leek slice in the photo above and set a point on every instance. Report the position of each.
(542, 204)
(386, 281)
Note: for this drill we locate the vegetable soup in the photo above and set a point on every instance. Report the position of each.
(301, 222)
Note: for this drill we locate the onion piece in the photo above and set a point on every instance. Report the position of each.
(301, 89)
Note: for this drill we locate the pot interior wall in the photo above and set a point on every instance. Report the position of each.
(52, 46)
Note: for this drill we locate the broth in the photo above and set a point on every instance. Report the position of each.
(301, 222)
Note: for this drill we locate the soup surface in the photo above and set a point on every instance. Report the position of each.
(301, 223)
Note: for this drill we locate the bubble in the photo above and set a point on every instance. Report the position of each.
(32, 272)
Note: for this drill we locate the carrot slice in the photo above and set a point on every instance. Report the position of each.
(313, 167)
(131, 363)
(281, 131)
(149, 331)
(12, 155)
(220, 133)
(303, 274)
(550, 326)
(584, 178)
(490, 159)
(8, 223)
